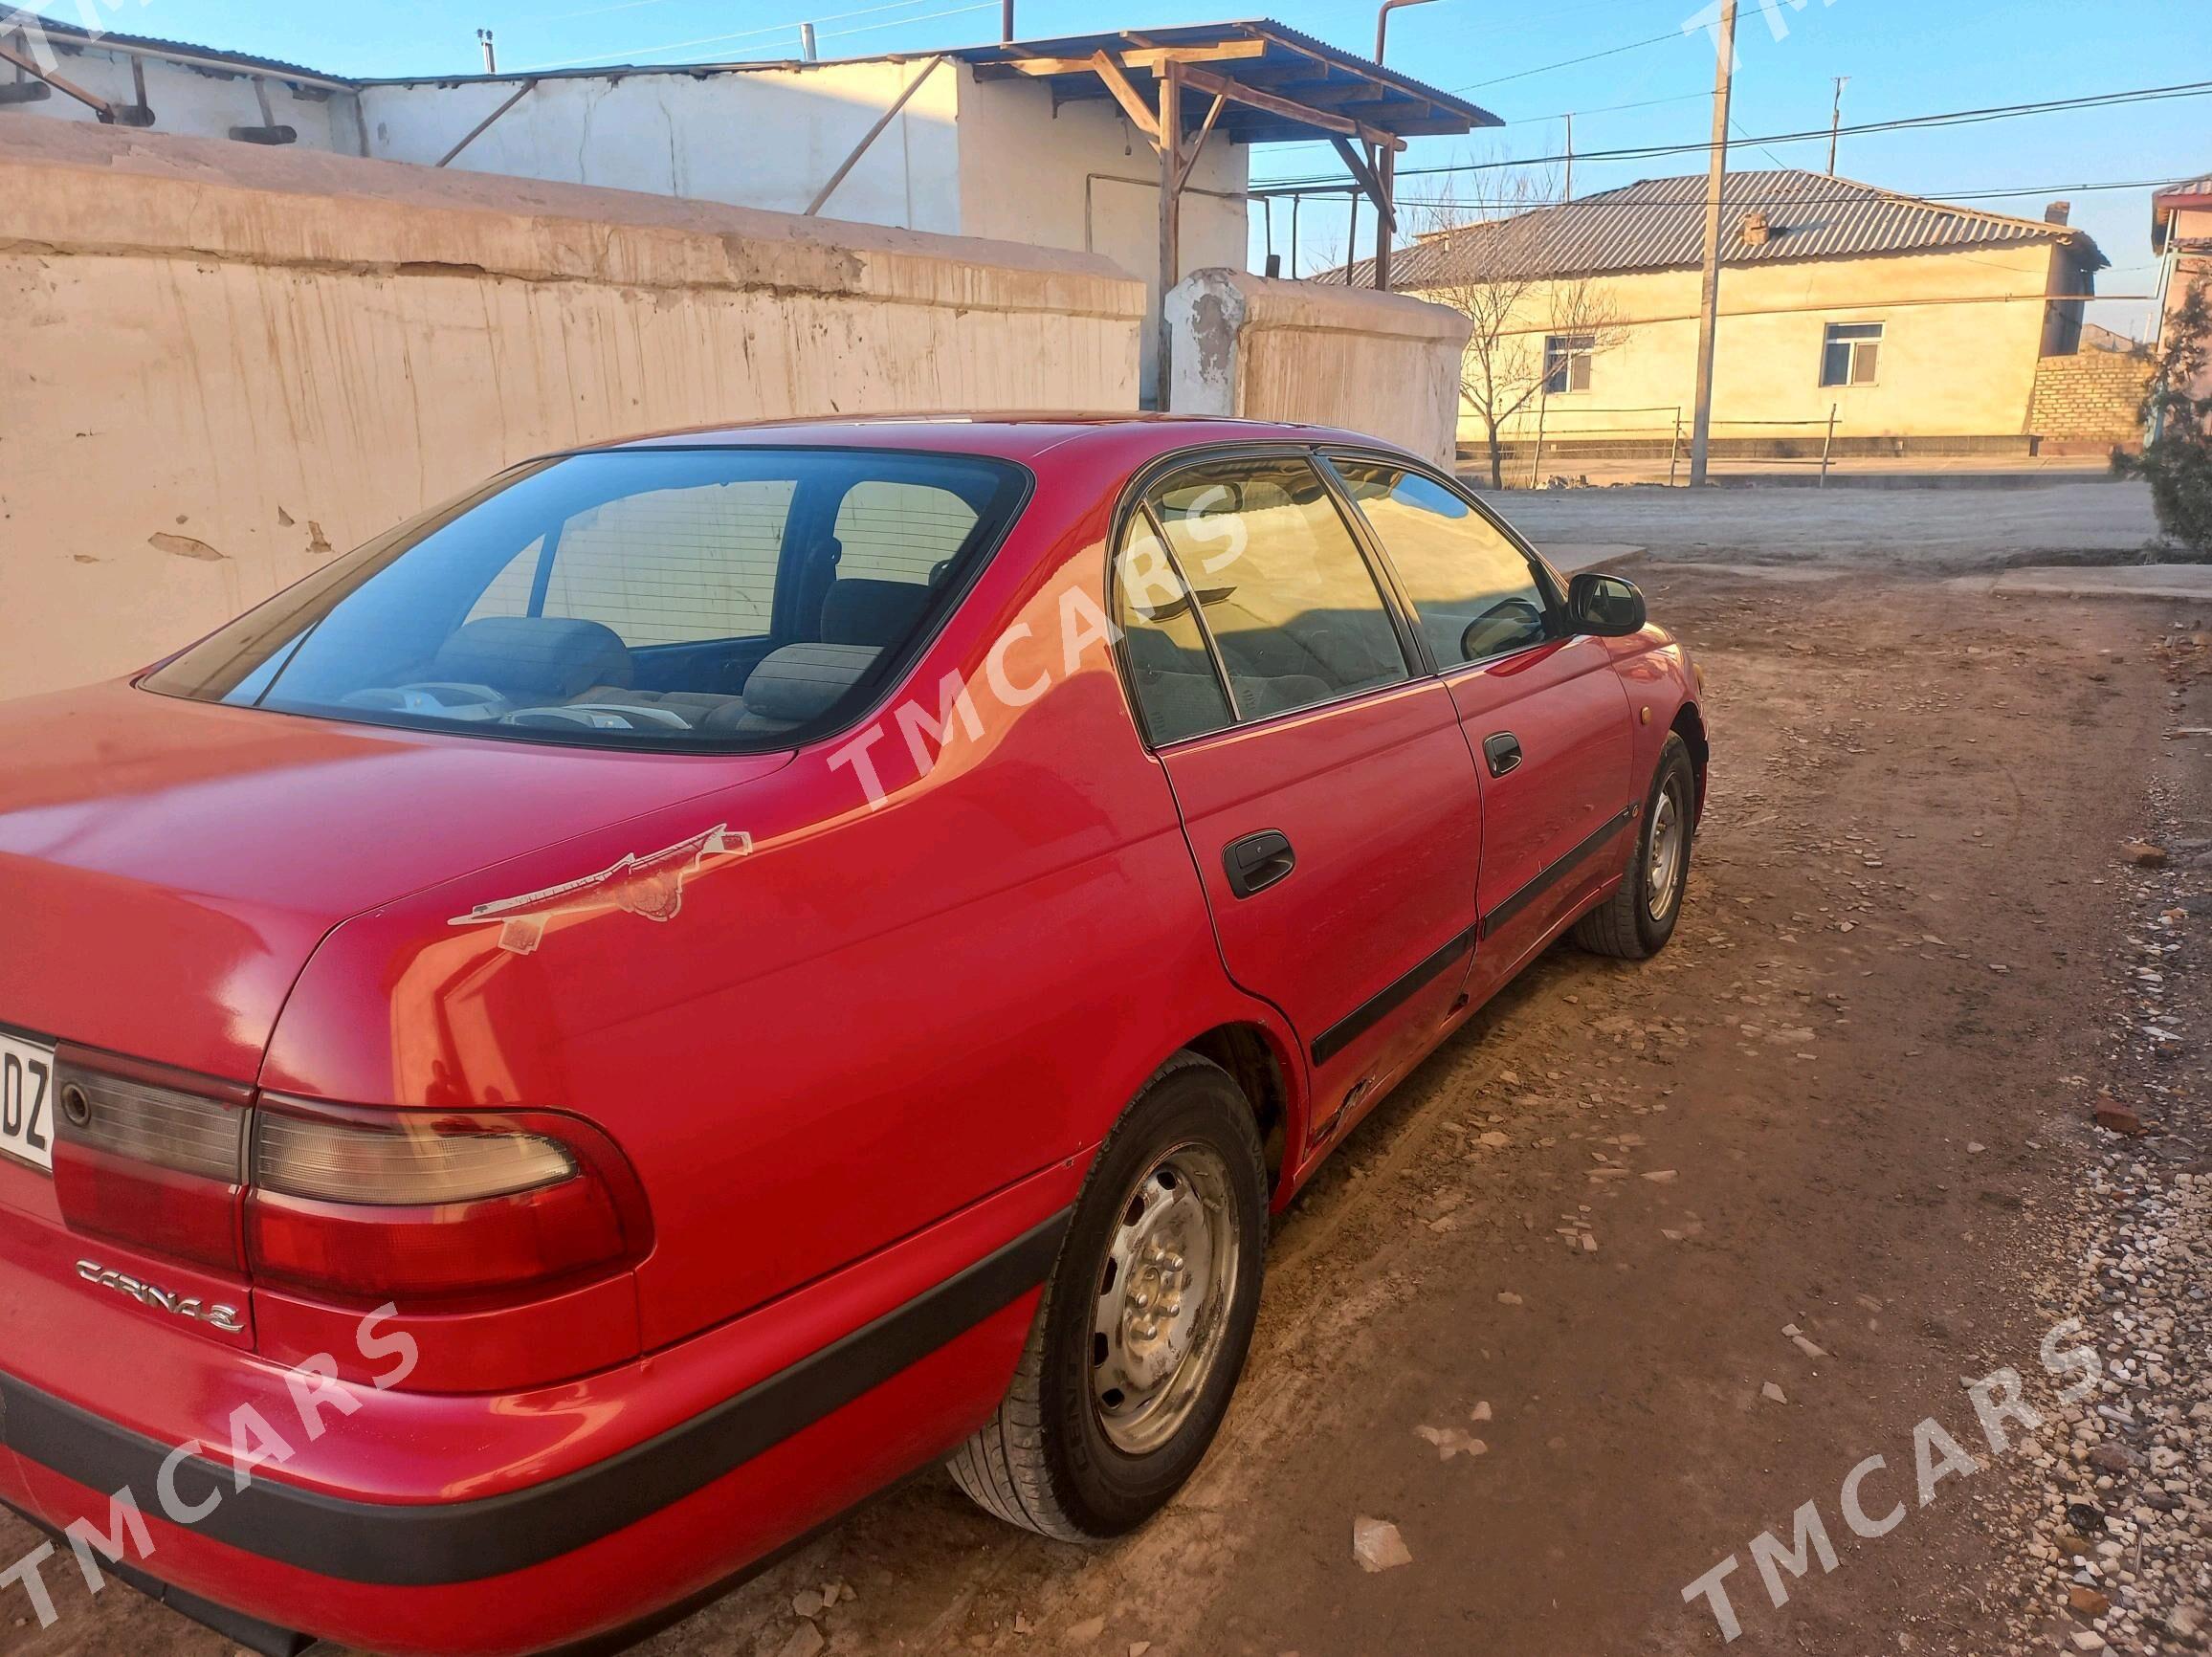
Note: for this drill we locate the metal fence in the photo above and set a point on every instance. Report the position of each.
(1674, 431)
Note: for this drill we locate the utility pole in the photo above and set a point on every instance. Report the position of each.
(1836, 122)
(491, 62)
(807, 42)
(1708, 291)
(1568, 193)
(1006, 19)
(1381, 163)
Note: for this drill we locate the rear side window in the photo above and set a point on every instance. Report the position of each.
(726, 598)
(1171, 674)
(1281, 585)
(1474, 592)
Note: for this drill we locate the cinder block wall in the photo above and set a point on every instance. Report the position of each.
(1278, 350)
(226, 362)
(2092, 397)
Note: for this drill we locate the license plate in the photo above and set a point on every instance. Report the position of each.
(27, 1102)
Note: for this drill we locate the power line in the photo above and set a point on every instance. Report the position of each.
(1568, 62)
(1828, 198)
(1902, 124)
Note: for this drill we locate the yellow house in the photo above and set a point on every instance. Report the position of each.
(1916, 325)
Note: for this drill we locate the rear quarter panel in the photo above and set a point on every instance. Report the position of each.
(880, 1015)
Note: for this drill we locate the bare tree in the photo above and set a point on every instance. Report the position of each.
(1488, 259)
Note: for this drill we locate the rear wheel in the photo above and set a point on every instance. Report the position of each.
(1638, 919)
(1144, 1323)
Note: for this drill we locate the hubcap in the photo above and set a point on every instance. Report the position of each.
(1163, 1296)
(1670, 837)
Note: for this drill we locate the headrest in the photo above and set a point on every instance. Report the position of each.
(871, 613)
(801, 682)
(551, 656)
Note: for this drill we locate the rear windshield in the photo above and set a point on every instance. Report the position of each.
(667, 598)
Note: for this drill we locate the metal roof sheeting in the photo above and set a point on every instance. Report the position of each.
(2195, 192)
(1289, 64)
(70, 34)
(1658, 224)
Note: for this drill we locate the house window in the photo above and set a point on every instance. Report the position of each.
(1567, 363)
(1851, 353)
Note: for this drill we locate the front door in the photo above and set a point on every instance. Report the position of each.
(1545, 716)
(1323, 783)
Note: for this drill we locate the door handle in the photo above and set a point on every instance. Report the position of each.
(1257, 861)
(1503, 751)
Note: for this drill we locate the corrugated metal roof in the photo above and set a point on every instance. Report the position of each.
(2164, 203)
(244, 62)
(1289, 63)
(1658, 224)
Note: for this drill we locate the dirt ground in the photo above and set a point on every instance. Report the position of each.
(1920, 530)
(1852, 1100)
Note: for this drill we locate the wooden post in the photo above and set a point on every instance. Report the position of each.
(1170, 210)
(1674, 448)
(1828, 446)
(1386, 164)
(1708, 295)
(1536, 460)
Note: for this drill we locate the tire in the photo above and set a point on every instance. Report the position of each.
(1060, 1459)
(1625, 925)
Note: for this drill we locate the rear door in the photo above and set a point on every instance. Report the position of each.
(1323, 782)
(1546, 717)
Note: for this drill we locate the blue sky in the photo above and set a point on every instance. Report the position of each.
(1903, 57)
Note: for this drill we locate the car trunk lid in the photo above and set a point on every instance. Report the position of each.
(167, 866)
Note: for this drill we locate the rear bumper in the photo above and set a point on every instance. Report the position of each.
(564, 1558)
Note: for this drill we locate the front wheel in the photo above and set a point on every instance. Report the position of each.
(1144, 1323)
(1638, 919)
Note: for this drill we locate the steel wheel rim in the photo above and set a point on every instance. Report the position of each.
(1666, 861)
(1160, 1312)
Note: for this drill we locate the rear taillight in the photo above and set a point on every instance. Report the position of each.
(151, 1157)
(416, 1204)
(406, 1206)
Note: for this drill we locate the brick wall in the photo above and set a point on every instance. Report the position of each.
(2092, 397)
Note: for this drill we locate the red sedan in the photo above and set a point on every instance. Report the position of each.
(565, 1049)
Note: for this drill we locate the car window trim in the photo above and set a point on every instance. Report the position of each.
(1221, 673)
(1541, 571)
(1126, 666)
(1137, 496)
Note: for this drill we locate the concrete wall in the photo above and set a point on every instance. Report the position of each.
(2094, 400)
(1280, 350)
(227, 361)
(963, 157)
(1962, 334)
(763, 137)
(200, 99)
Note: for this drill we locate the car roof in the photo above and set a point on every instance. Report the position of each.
(1013, 436)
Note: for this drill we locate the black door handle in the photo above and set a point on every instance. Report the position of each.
(1503, 751)
(1257, 861)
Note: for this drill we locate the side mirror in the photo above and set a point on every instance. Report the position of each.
(1604, 605)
